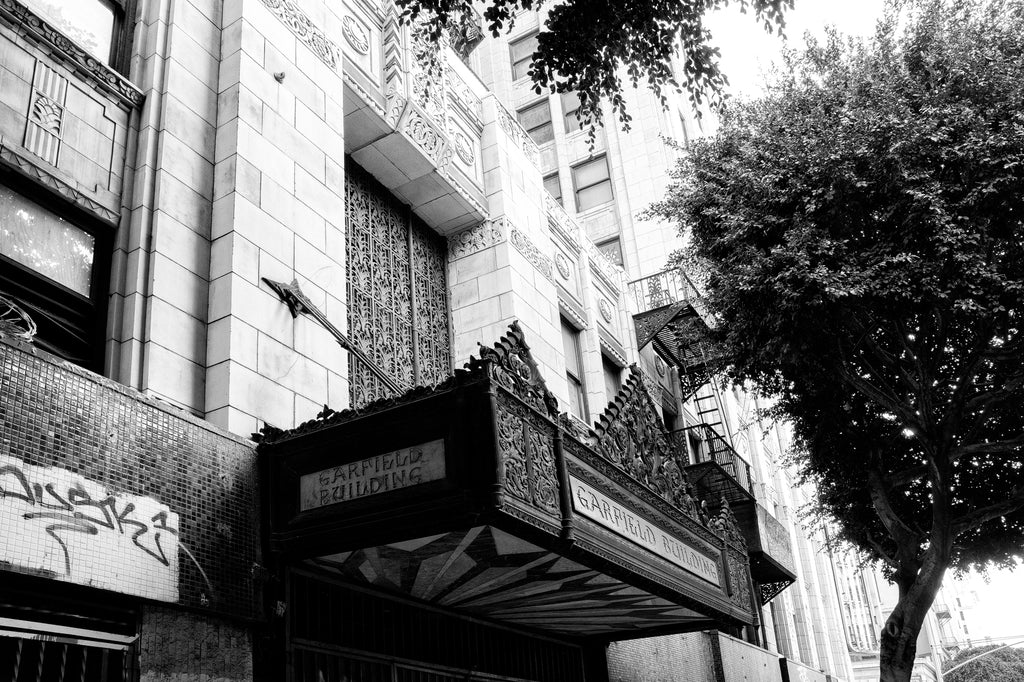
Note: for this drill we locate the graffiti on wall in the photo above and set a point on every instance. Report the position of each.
(61, 525)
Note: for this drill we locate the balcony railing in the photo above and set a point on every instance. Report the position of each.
(662, 289)
(709, 446)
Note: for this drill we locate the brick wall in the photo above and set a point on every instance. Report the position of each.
(55, 415)
(177, 646)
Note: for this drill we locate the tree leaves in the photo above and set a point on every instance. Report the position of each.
(588, 46)
(861, 231)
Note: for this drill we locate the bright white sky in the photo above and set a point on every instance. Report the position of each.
(747, 53)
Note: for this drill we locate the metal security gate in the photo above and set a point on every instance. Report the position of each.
(339, 633)
(54, 658)
(396, 269)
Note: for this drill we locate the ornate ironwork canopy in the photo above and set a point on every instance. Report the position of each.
(477, 495)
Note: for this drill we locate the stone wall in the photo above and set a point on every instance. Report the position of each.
(178, 646)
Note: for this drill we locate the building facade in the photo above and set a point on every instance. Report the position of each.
(321, 362)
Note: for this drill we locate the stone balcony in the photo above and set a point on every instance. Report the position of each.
(413, 116)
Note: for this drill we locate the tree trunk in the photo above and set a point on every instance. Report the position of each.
(898, 641)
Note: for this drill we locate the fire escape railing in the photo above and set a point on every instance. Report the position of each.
(710, 446)
(662, 289)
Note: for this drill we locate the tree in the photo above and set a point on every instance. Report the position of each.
(1005, 665)
(859, 229)
(586, 44)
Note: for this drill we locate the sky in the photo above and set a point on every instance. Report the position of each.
(748, 52)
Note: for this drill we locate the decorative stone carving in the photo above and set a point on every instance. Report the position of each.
(739, 575)
(463, 147)
(65, 51)
(33, 170)
(605, 309)
(395, 104)
(427, 137)
(563, 225)
(527, 451)
(484, 235)
(355, 34)
(510, 365)
(526, 247)
(306, 31)
(727, 526)
(460, 95)
(562, 264)
(659, 366)
(517, 134)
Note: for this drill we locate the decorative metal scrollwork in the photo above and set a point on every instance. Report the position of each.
(15, 323)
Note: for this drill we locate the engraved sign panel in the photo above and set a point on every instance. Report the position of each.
(600, 508)
(378, 474)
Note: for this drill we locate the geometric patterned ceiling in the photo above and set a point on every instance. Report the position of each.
(490, 573)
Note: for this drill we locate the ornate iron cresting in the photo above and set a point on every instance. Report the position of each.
(298, 303)
(15, 323)
(770, 591)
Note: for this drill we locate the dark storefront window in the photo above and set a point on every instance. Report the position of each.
(397, 291)
(55, 270)
(340, 634)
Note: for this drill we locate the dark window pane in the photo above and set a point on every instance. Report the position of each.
(553, 185)
(594, 196)
(571, 346)
(536, 119)
(570, 104)
(590, 173)
(90, 23)
(521, 52)
(613, 251)
(612, 378)
(45, 242)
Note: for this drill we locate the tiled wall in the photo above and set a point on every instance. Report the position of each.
(55, 415)
(662, 659)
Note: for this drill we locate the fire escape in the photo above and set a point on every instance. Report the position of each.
(669, 317)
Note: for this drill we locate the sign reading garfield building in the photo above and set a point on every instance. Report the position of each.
(378, 474)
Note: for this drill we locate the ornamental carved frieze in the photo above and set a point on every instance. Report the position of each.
(355, 34)
(33, 170)
(71, 55)
(510, 364)
(739, 579)
(526, 447)
(564, 226)
(483, 236)
(518, 135)
(530, 251)
(427, 137)
(45, 120)
(460, 95)
(630, 435)
(308, 33)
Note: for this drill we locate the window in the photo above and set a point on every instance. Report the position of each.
(612, 378)
(95, 25)
(592, 185)
(570, 105)
(553, 184)
(536, 119)
(612, 249)
(522, 55)
(670, 417)
(573, 370)
(55, 269)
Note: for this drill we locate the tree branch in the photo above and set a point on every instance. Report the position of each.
(985, 514)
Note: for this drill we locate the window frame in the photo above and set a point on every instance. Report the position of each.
(558, 180)
(617, 239)
(516, 64)
(608, 363)
(576, 384)
(550, 124)
(63, 315)
(608, 178)
(121, 32)
(570, 122)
